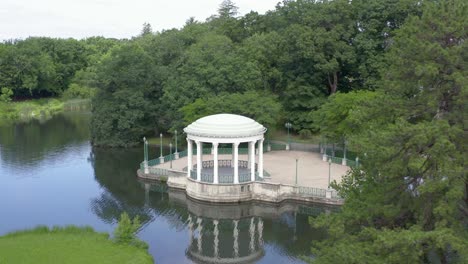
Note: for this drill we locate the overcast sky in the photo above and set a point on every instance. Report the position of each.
(108, 18)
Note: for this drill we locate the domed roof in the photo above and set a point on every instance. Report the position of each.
(225, 125)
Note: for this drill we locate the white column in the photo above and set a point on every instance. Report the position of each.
(232, 160)
(260, 158)
(201, 152)
(216, 240)
(252, 160)
(249, 149)
(189, 156)
(199, 238)
(252, 235)
(215, 163)
(199, 159)
(236, 161)
(236, 239)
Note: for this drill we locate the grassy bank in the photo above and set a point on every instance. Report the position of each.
(67, 245)
(38, 108)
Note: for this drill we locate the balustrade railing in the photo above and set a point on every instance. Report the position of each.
(158, 171)
(207, 177)
(226, 178)
(310, 191)
(244, 177)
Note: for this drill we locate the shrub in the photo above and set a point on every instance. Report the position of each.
(6, 94)
(125, 232)
(78, 91)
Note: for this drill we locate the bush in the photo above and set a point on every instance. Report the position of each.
(6, 94)
(77, 91)
(125, 232)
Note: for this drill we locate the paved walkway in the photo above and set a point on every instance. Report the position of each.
(311, 170)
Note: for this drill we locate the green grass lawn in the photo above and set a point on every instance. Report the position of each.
(37, 108)
(30, 108)
(67, 245)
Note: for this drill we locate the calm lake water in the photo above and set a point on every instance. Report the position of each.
(50, 175)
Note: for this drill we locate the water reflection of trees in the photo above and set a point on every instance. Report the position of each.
(114, 170)
(28, 144)
(285, 227)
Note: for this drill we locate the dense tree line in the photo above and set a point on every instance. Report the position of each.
(298, 54)
(44, 67)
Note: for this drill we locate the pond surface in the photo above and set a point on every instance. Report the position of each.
(50, 175)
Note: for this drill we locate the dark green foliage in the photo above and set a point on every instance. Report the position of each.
(301, 52)
(407, 201)
(122, 108)
(261, 106)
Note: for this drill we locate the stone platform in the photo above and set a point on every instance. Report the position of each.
(312, 171)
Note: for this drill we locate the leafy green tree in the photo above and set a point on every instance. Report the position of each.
(340, 117)
(407, 202)
(124, 107)
(261, 106)
(227, 9)
(211, 66)
(376, 21)
(125, 232)
(147, 29)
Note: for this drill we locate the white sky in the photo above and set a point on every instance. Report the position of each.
(108, 18)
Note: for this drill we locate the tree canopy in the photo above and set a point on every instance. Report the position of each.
(407, 201)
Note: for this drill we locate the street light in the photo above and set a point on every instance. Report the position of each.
(175, 141)
(145, 149)
(170, 153)
(296, 170)
(329, 171)
(160, 144)
(288, 126)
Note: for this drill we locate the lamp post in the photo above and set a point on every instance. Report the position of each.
(145, 149)
(296, 170)
(160, 145)
(170, 153)
(161, 158)
(329, 171)
(145, 152)
(288, 126)
(176, 154)
(344, 161)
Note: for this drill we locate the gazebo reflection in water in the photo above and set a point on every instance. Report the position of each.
(218, 240)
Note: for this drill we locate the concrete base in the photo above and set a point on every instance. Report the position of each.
(325, 158)
(161, 160)
(343, 162)
(328, 194)
(219, 193)
(176, 155)
(268, 147)
(287, 146)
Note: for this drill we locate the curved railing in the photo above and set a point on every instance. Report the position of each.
(222, 178)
